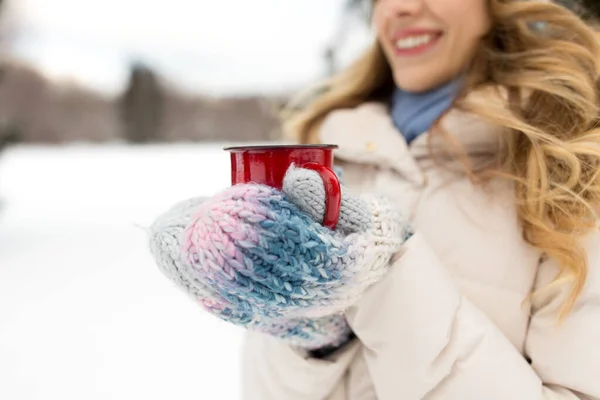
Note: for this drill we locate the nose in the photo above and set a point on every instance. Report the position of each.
(401, 8)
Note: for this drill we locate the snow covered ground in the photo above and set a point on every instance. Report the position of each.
(84, 312)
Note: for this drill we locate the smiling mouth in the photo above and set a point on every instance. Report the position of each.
(416, 43)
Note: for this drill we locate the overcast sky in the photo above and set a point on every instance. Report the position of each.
(221, 46)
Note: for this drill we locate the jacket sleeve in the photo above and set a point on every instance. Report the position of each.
(429, 342)
(272, 370)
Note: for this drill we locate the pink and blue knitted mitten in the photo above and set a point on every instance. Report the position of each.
(259, 258)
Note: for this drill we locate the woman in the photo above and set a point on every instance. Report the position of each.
(467, 260)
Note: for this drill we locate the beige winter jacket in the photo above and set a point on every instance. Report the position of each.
(449, 321)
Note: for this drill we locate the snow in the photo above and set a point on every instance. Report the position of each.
(84, 312)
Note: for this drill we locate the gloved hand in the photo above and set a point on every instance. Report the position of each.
(260, 258)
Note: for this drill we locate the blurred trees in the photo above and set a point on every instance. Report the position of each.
(42, 111)
(142, 106)
(9, 132)
(34, 109)
(353, 12)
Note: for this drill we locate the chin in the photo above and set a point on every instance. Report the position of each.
(415, 81)
(414, 85)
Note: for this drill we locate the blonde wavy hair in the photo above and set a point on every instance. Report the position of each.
(552, 151)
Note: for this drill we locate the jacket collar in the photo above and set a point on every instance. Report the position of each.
(366, 134)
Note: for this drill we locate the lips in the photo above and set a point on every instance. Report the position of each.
(414, 41)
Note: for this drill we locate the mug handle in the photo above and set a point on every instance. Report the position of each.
(333, 193)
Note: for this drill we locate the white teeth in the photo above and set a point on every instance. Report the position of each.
(413, 41)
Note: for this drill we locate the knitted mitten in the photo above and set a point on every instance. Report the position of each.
(260, 258)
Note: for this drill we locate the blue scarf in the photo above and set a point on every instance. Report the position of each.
(414, 113)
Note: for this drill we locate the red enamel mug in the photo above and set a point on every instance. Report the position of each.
(268, 164)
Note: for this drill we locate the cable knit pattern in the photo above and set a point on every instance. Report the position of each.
(258, 258)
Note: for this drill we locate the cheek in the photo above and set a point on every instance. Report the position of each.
(469, 18)
(378, 22)
(467, 22)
